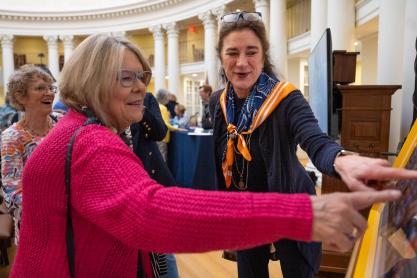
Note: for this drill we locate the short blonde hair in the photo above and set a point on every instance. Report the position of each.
(90, 75)
(21, 79)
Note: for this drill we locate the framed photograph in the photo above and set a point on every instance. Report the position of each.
(388, 247)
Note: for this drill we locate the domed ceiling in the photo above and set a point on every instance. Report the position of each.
(53, 6)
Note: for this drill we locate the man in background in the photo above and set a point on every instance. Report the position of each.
(205, 93)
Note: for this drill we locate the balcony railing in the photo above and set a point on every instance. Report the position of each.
(190, 52)
(299, 14)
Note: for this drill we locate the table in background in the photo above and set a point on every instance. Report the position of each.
(191, 160)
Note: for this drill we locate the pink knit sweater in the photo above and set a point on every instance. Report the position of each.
(118, 209)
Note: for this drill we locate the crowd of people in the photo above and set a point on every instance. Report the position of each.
(100, 201)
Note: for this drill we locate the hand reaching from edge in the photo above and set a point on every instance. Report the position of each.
(336, 220)
(358, 171)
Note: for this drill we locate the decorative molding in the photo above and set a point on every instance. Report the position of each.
(157, 31)
(208, 19)
(138, 16)
(218, 11)
(117, 11)
(172, 29)
(68, 40)
(299, 43)
(366, 10)
(51, 40)
(7, 41)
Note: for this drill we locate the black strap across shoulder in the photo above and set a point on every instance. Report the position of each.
(69, 229)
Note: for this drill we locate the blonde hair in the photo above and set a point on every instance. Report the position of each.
(90, 75)
(21, 79)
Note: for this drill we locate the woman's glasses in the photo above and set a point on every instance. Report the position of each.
(128, 78)
(236, 16)
(44, 89)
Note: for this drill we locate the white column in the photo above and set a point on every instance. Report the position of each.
(409, 56)
(210, 39)
(53, 63)
(173, 58)
(278, 36)
(68, 41)
(159, 56)
(318, 21)
(390, 59)
(262, 6)
(8, 59)
(341, 20)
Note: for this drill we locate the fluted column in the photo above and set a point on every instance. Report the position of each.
(159, 54)
(210, 38)
(173, 58)
(68, 41)
(278, 36)
(8, 61)
(341, 20)
(53, 63)
(390, 62)
(262, 6)
(318, 21)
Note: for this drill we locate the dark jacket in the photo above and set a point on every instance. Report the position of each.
(144, 134)
(290, 124)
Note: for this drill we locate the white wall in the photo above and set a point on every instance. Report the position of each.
(294, 72)
(409, 56)
(368, 57)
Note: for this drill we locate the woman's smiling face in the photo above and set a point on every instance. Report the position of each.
(242, 59)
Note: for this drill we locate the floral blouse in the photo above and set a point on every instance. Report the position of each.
(17, 145)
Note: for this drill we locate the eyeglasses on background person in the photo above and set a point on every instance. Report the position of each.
(44, 89)
(127, 78)
(236, 16)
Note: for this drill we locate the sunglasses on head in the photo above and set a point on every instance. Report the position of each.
(236, 16)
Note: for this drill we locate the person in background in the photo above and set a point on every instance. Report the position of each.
(8, 115)
(181, 118)
(205, 93)
(162, 98)
(258, 122)
(59, 107)
(172, 102)
(30, 90)
(116, 209)
(142, 137)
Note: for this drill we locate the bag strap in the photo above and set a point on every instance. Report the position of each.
(70, 228)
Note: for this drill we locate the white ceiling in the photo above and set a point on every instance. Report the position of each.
(66, 5)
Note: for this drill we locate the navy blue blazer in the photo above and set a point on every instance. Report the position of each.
(290, 124)
(144, 136)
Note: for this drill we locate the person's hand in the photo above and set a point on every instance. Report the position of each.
(181, 129)
(358, 172)
(336, 220)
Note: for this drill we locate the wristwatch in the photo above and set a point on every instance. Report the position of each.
(344, 152)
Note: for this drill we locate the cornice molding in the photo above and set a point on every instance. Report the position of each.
(123, 18)
(152, 5)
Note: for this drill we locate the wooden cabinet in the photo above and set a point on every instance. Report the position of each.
(365, 115)
(365, 128)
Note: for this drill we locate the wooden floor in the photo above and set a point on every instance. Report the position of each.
(212, 265)
(204, 265)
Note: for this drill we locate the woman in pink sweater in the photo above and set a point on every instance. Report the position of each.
(116, 209)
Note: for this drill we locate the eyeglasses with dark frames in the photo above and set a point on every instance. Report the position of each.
(236, 16)
(127, 78)
(44, 89)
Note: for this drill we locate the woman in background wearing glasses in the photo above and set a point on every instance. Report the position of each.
(114, 206)
(258, 122)
(30, 90)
